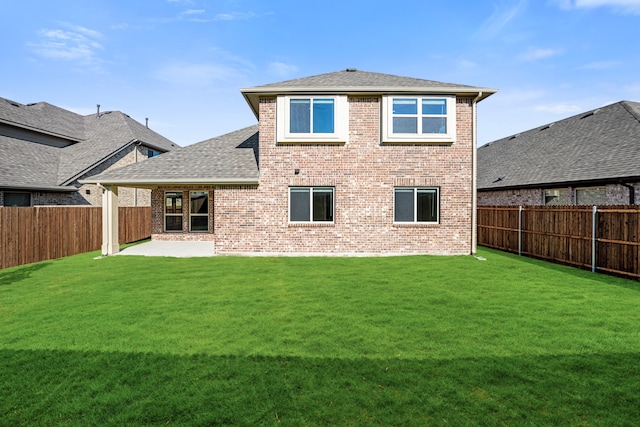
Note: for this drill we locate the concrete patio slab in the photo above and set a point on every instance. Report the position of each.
(170, 249)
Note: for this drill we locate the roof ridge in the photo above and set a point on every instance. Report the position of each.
(625, 105)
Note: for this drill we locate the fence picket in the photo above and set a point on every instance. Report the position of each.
(564, 234)
(47, 232)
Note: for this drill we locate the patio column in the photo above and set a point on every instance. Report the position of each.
(110, 244)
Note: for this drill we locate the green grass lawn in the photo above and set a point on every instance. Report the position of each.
(384, 341)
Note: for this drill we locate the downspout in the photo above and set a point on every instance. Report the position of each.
(632, 192)
(474, 183)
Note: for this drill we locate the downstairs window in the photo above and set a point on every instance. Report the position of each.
(416, 205)
(311, 204)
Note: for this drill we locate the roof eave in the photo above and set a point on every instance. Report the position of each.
(252, 95)
(154, 183)
(43, 188)
(560, 184)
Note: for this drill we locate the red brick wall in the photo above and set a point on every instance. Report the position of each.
(364, 173)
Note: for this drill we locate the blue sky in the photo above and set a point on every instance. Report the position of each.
(181, 63)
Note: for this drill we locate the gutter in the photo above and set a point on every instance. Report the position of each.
(49, 189)
(172, 182)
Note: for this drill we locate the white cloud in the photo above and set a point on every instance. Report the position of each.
(193, 12)
(559, 109)
(499, 19)
(281, 69)
(534, 54)
(190, 74)
(621, 6)
(75, 43)
(600, 65)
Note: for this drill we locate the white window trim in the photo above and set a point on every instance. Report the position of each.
(341, 121)
(387, 121)
(191, 214)
(311, 221)
(164, 209)
(415, 205)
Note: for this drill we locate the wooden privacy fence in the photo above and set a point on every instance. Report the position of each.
(600, 238)
(47, 232)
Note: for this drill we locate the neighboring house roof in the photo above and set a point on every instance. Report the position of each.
(353, 81)
(43, 118)
(227, 159)
(85, 142)
(596, 146)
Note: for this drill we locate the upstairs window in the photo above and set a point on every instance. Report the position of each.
(419, 118)
(315, 119)
(152, 153)
(311, 204)
(416, 205)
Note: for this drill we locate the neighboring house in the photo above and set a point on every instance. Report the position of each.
(45, 150)
(345, 162)
(592, 158)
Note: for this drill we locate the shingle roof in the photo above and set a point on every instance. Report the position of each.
(227, 159)
(598, 145)
(357, 81)
(91, 140)
(25, 164)
(44, 118)
(105, 135)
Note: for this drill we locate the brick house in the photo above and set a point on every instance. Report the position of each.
(345, 162)
(592, 158)
(45, 150)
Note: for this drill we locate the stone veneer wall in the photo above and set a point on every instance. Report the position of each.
(364, 172)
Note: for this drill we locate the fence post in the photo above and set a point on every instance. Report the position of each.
(520, 209)
(593, 240)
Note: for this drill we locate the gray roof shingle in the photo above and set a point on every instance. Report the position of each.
(598, 145)
(90, 140)
(105, 135)
(230, 158)
(43, 117)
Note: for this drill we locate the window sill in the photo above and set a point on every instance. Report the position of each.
(416, 224)
(417, 141)
(311, 224)
(295, 141)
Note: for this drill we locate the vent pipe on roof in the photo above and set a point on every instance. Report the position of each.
(146, 119)
(98, 113)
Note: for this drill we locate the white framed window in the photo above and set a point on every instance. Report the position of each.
(311, 204)
(173, 211)
(419, 118)
(312, 119)
(416, 205)
(199, 211)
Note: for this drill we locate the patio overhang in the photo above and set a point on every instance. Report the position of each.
(173, 182)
